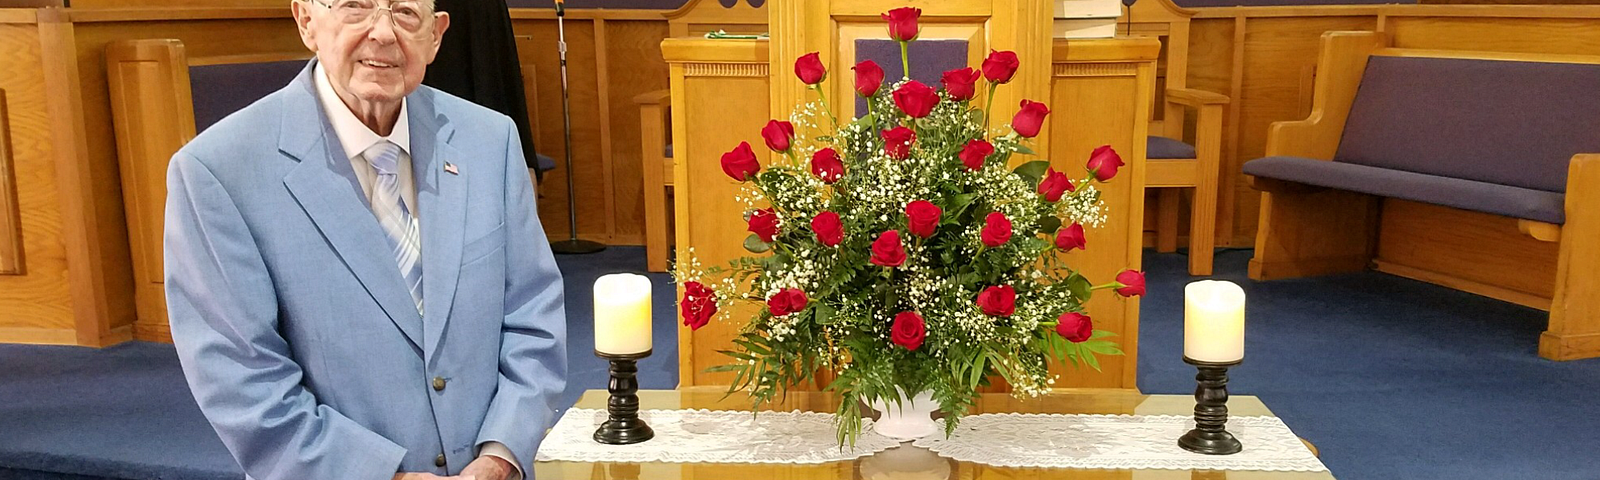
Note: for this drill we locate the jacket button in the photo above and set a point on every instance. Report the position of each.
(438, 384)
(439, 460)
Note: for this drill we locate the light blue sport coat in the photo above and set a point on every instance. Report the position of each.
(294, 327)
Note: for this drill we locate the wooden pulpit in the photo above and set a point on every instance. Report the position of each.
(723, 91)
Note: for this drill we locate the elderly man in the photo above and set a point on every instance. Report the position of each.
(358, 285)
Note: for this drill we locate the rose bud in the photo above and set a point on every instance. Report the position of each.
(1030, 118)
(1132, 283)
(996, 230)
(1075, 327)
(825, 164)
(887, 250)
(975, 153)
(779, 135)
(961, 84)
(922, 218)
(740, 163)
(1000, 66)
(869, 78)
(1071, 238)
(810, 70)
(830, 230)
(916, 99)
(1103, 163)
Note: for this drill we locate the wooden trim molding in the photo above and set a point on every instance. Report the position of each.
(1096, 70)
(726, 70)
(11, 260)
(169, 14)
(18, 15)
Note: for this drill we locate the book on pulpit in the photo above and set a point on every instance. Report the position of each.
(1086, 18)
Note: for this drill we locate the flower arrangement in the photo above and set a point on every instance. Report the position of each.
(899, 253)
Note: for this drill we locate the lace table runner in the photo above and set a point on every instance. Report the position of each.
(712, 436)
(1117, 442)
(1007, 440)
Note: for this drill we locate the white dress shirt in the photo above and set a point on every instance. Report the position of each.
(356, 138)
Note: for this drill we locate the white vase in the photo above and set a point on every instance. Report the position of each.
(910, 419)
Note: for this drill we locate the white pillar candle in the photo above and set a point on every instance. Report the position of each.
(1213, 321)
(622, 314)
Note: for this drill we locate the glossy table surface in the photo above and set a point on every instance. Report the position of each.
(907, 462)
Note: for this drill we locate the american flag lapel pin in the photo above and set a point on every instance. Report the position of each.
(451, 168)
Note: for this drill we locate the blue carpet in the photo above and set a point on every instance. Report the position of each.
(1390, 378)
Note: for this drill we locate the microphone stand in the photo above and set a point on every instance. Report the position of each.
(572, 245)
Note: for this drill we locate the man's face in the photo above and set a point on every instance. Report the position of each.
(373, 54)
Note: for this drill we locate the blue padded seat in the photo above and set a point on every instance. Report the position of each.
(1506, 200)
(220, 90)
(1163, 148)
(1483, 135)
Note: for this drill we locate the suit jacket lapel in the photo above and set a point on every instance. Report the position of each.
(322, 184)
(442, 199)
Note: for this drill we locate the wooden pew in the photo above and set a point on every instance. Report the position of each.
(155, 109)
(1319, 224)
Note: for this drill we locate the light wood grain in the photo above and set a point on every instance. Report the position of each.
(654, 120)
(1101, 115)
(704, 125)
(98, 266)
(17, 15)
(11, 259)
(36, 307)
(1575, 313)
(153, 114)
(1544, 232)
(635, 66)
(1470, 251)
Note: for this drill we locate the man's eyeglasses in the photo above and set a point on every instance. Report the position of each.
(406, 16)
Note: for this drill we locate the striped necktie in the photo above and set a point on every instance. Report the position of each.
(397, 222)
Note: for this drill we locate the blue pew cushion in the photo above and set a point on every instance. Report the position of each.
(220, 90)
(1505, 122)
(1163, 148)
(929, 60)
(1505, 200)
(543, 163)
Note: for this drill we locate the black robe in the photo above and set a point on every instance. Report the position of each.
(478, 61)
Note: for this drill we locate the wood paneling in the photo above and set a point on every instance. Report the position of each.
(11, 260)
(705, 75)
(1575, 313)
(633, 54)
(36, 307)
(1098, 81)
(1475, 252)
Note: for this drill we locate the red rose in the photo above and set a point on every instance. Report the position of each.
(1103, 163)
(787, 301)
(810, 70)
(1000, 66)
(922, 218)
(887, 250)
(830, 231)
(1071, 238)
(764, 223)
(1030, 118)
(996, 230)
(869, 78)
(1054, 185)
(961, 84)
(1132, 283)
(698, 305)
(916, 99)
(908, 330)
(825, 164)
(778, 135)
(903, 23)
(974, 154)
(1075, 327)
(998, 301)
(741, 162)
(897, 142)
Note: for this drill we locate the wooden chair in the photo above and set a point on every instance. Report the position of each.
(695, 18)
(1177, 160)
(160, 98)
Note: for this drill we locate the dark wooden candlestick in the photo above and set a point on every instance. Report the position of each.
(623, 425)
(1210, 435)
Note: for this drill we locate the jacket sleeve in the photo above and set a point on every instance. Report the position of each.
(223, 310)
(533, 365)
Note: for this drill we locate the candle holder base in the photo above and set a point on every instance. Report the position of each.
(1210, 435)
(623, 425)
